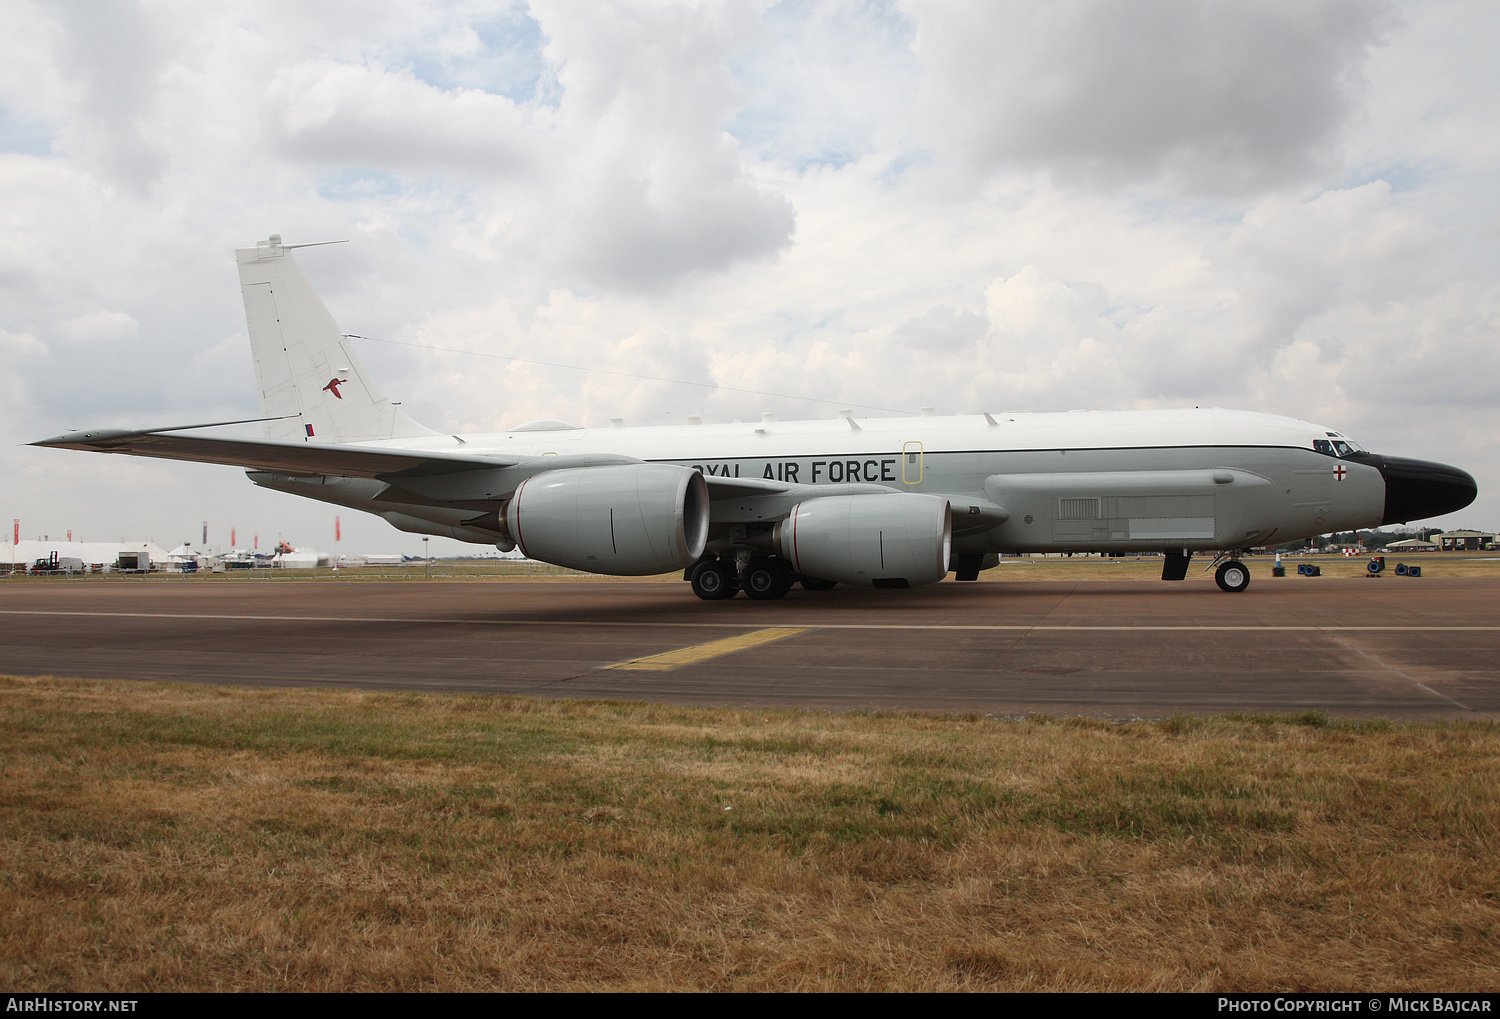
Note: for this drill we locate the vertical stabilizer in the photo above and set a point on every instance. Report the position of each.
(304, 365)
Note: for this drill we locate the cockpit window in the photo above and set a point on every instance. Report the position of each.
(1336, 446)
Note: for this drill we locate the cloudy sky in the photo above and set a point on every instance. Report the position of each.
(1281, 206)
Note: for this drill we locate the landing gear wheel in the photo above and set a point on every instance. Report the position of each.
(767, 579)
(714, 580)
(1233, 576)
(814, 584)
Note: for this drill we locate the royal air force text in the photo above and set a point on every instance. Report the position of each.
(801, 472)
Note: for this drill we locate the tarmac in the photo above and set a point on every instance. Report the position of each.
(1387, 647)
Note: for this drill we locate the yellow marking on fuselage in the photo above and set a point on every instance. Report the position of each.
(713, 649)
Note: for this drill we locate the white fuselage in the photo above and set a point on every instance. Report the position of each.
(1090, 480)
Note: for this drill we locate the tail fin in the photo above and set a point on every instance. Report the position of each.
(303, 365)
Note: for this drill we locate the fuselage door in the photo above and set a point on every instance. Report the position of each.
(911, 463)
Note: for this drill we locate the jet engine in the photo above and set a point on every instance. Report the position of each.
(629, 520)
(897, 540)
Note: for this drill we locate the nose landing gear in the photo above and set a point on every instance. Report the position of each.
(1232, 576)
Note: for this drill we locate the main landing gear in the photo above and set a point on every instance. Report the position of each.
(767, 579)
(761, 578)
(714, 579)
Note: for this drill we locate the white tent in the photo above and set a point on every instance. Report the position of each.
(93, 553)
(183, 554)
(302, 559)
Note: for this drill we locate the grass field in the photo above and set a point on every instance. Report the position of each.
(1434, 564)
(159, 837)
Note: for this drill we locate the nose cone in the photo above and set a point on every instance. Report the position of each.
(1417, 489)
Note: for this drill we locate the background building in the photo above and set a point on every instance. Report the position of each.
(1464, 541)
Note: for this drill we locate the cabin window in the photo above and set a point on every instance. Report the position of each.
(1343, 447)
(1323, 446)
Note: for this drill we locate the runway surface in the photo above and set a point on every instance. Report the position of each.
(1388, 647)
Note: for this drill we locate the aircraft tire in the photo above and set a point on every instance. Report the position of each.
(1232, 576)
(814, 584)
(714, 580)
(767, 579)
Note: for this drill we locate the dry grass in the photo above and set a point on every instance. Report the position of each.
(157, 837)
(1434, 564)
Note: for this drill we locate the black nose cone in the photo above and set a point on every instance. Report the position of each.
(1417, 489)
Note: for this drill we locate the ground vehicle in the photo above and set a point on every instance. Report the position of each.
(55, 564)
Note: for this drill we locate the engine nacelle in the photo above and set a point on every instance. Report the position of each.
(630, 520)
(897, 540)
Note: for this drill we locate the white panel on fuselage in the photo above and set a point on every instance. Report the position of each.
(1170, 528)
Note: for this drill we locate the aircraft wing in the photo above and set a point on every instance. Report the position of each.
(348, 460)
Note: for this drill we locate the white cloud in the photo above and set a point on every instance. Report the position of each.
(20, 345)
(1292, 259)
(827, 84)
(649, 184)
(100, 326)
(338, 114)
(878, 206)
(1221, 98)
(112, 57)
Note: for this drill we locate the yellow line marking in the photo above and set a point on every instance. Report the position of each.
(713, 649)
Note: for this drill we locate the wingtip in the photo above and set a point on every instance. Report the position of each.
(84, 439)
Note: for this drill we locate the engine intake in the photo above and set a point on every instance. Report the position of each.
(897, 540)
(630, 520)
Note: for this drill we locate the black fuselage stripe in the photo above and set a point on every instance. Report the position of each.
(966, 452)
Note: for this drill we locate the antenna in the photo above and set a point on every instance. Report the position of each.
(274, 241)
